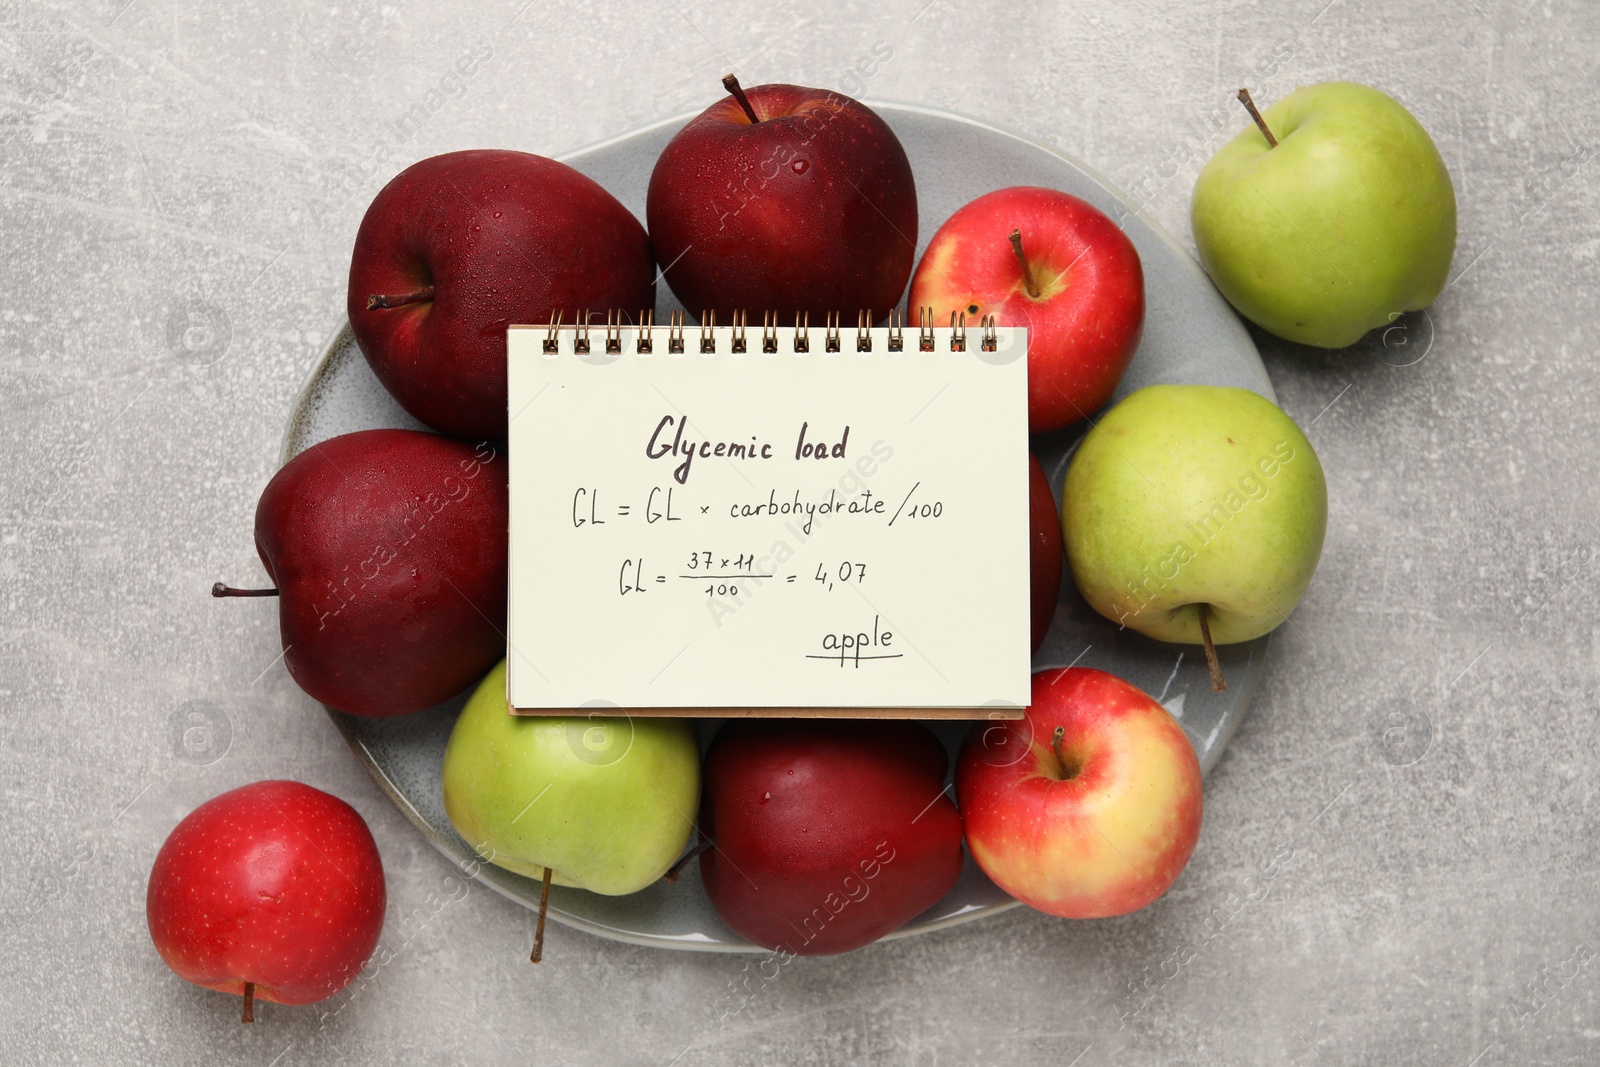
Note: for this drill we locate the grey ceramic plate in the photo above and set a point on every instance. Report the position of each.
(1190, 336)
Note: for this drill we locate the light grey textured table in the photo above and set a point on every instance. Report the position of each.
(1418, 776)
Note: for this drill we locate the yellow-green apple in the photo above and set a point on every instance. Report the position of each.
(459, 246)
(1195, 514)
(1088, 806)
(1345, 222)
(784, 198)
(1055, 264)
(605, 803)
(1044, 551)
(273, 891)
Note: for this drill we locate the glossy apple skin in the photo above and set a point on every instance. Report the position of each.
(274, 883)
(811, 209)
(388, 548)
(504, 237)
(1105, 842)
(829, 833)
(1347, 223)
(1045, 556)
(1185, 495)
(606, 802)
(1085, 324)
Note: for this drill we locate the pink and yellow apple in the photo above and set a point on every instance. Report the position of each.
(1055, 264)
(1089, 805)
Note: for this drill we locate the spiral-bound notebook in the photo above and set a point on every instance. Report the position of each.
(765, 520)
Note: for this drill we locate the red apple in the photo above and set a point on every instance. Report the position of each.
(1044, 550)
(274, 891)
(1069, 275)
(387, 549)
(786, 199)
(829, 833)
(1089, 805)
(457, 247)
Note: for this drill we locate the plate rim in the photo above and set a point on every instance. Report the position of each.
(336, 340)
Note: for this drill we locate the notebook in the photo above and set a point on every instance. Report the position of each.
(774, 520)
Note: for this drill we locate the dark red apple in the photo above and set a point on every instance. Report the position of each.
(1045, 556)
(1045, 260)
(457, 247)
(388, 551)
(829, 833)
(273, 891)
(785, 199)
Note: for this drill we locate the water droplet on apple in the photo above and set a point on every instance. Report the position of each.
(799, 166)
(765, 797)
(497, 214)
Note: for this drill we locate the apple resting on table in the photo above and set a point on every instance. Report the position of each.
(1055, 264)
(273, 891)
(827, 834)
(1347, 221)
(459, 246)
(1087, 807)
(603, 803)
(786, 199)
(1195, 514)
(388, 552)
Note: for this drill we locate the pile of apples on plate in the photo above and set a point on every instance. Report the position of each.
(1191, 514)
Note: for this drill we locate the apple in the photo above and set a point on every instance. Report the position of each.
(1044, 551)
(459, 246)
(1088, 806)
(786, 199)
(828, 833)
(273, 891)
(1342, 225)
(387, 549)
(603, 803)
(1195, 514)
(1055, 264)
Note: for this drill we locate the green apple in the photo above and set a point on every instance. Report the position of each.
(606, 803)
(1348, 222)
(1194, 496)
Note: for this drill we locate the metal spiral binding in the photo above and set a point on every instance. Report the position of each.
(580, 335)
(614, 332)
(925, 329)
(708, 323)
(769, 331)
(551, 345)
(646, 343)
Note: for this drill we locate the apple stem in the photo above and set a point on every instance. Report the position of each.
(673, 872)
(219, 589)
(379, 301)
(249, 1015)
(538, 929)
(1055, 746)
(730, 83)
(1250, 106)
(1027, 271)
(1217, 684)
